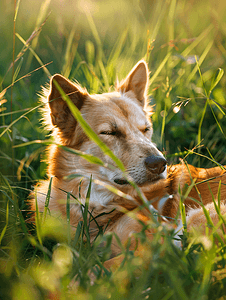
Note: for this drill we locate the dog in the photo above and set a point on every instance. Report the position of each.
(121, 120)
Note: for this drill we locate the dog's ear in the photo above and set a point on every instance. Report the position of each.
(60, 112)
(137, 81)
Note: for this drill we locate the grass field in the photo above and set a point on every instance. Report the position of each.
(94, 42)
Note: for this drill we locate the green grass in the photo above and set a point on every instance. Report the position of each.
(184, 43)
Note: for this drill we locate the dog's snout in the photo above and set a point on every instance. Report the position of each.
(156, 164)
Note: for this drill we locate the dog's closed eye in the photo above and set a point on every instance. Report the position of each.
(109, 132)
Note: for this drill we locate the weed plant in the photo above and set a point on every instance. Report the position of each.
(94, 42)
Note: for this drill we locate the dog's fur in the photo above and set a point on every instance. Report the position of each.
(122, 121)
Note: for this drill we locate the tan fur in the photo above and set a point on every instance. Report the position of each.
(121, 120)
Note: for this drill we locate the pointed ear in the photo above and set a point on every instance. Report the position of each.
(60, 113)
(137, 81)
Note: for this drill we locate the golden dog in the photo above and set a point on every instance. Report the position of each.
(122, 121)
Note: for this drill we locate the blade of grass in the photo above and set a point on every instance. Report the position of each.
(34, 54)
(201, 59)
(210, 223)
(77, 233)
(205, 33)
(214, 83)
(178, 286)
(25, 76)
(163, 124)
(68, 219)
(217, 208)
(95, 34)
(104, 74)
(85, 213)
(16, 8)
(115, 52)
(46, 208)
(183, 214)
(214, 161)
(158, 18)
(15, 112)
(26, 46)
(37, 221)
(70, 52)
(215, 117)
(89, 157)
(160, 67)
(6, 222)
(15, 121)
(216, 79)
(171, 19)
(200, 124)
(16, 73)
(219, 195)
(41, 16)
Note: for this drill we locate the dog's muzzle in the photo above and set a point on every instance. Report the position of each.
(155, 164)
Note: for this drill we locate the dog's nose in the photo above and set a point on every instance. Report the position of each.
(156, 164)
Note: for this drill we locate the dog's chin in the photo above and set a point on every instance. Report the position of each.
(152, 180)
(123, 182)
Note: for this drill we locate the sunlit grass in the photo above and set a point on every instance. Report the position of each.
(95, 42)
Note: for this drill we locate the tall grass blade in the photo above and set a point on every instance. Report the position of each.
(77, 233)
(216, 79)
(217, 208)
(69, 53)
(200, 123)
(17, 71)
(160, 67)
(6, 222)
(46, 208)
(26, 46)
(89, 157)
(85, 213)
(104, 74)
(163, 124)
(23, 77)
(218, 124)
(11, 102)
(183, 214)
(41, 16)
(15, 121)
(158, 18)
(176, 282)
(201, 59)
(37, 221)
(95, 35)
(204, 34)
(171, 19)
(115, 52)
(34, 54)
(16, 10)
(68, 218)
(210, 222)
(219, 195)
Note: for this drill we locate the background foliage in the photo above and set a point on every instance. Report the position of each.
(94, 42)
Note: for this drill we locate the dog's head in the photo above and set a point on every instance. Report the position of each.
(120, 119)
